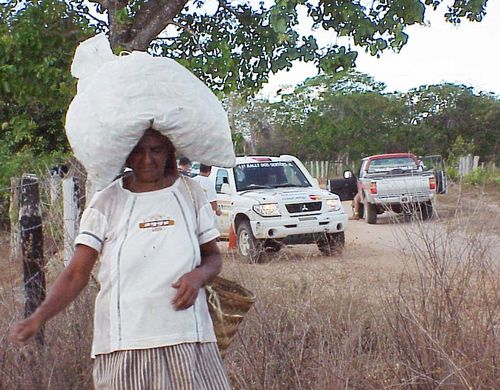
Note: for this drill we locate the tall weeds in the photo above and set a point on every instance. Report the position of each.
(320, 323)
(444, 317)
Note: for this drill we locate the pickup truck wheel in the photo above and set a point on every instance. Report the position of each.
(332, 244)
(361, 211)
(371, 213)
(248, 246)
(426, 210)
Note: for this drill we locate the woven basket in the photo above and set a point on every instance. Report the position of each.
(228, 302)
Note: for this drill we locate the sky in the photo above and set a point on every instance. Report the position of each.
(440, 52)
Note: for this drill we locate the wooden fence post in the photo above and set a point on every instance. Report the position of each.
(30, 222)
(55, 188)
(462, 166)
(71, 196)
(14, 218)
(475, 162)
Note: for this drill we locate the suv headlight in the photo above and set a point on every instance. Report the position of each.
(267, 210)
(333, 204)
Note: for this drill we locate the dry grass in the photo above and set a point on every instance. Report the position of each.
(325, 323)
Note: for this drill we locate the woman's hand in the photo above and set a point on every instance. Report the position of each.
(187, 287)
(190, 283)
(23, 331)
(65, 289)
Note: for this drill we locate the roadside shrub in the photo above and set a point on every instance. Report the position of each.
(444, 317)
(453, 174)
(483, 176)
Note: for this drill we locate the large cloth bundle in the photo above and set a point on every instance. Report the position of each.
(119, 97)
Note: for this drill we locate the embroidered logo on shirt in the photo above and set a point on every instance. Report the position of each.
(156, 224)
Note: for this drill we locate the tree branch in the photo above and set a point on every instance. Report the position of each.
(223, 4)
(151, 20)
(89, 15)
(185, 28)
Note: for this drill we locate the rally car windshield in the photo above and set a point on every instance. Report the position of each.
(269, 174)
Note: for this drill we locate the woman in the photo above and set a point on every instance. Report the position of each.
(154, 234)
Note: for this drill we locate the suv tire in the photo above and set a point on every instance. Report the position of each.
(248, 246)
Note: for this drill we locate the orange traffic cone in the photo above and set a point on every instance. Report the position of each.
(232, 238)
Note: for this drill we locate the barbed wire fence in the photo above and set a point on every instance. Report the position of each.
(44, 212)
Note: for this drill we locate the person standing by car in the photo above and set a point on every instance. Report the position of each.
(184, 166)
(154, 235)
(208, 186)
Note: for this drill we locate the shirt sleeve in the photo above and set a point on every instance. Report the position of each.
(211, 194)
(92, 230)
(206, 224)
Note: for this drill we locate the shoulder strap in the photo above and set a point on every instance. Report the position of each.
(190, 193)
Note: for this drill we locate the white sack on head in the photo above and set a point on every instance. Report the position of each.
(119, 97)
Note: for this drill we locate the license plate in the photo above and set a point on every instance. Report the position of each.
(307, 219)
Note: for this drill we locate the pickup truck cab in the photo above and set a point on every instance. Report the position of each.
(398, 182)
(272, 201)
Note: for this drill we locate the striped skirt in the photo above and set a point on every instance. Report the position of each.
(191, 366)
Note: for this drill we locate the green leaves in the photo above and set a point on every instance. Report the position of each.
(234, 47)
(37, 42)
(337, 60)
(348, 113)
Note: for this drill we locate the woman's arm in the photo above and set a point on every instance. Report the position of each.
(190, 283)
(65, 289)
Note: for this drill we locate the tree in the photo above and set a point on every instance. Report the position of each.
(234, 45)
(439, 114)
(332, 116)
(36, 48)
(349, 114)
(231, 45)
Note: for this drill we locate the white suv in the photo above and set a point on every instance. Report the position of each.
(271, 201)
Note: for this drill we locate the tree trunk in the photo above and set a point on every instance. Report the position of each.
(136, 32)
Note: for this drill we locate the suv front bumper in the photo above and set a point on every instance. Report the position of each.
(279, 228)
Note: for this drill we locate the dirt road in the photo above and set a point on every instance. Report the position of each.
(380, 252)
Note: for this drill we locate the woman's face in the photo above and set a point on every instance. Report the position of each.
(149, 157)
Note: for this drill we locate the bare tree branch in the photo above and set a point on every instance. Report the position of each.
(89, 15)
(151, 20)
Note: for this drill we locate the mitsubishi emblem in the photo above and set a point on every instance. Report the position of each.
(304, 208)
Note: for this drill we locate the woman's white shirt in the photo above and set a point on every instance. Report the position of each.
(147, 241)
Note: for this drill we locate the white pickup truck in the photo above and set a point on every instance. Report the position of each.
(398, 182)
(272, 201)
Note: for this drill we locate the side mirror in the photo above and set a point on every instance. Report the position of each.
(225, 189)
(347, 174)
(315, 182)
